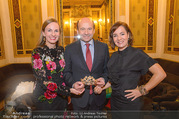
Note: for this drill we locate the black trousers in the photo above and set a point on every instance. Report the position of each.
(89, 107)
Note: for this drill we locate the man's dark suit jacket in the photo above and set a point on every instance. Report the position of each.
(76, 69)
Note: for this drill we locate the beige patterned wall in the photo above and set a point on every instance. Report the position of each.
(172, 27)
(26, 25)
(143, 23)
(31, 22)
(138, 24)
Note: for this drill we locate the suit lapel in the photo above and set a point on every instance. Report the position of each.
(96, 54)
(81, 57)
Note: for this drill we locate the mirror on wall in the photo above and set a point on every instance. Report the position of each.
(70, 11)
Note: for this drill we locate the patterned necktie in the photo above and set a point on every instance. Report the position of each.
(89, 62)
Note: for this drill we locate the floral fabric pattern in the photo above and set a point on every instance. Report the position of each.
(50, 93)
(51, 66)
(37, 64)
(48, 65)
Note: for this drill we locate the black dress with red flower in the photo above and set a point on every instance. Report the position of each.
(48, 65)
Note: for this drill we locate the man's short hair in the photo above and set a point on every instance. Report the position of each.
(91, 20)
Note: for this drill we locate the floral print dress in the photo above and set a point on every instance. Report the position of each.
(48, 65)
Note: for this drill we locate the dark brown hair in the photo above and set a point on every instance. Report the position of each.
(113, 29)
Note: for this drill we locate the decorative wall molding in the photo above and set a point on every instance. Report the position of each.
(143, 23)
(80, 11)
(2, 52)
(172, 27)
(25, 24)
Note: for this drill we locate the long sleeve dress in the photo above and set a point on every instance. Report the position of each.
(48, 65)
(125, 69)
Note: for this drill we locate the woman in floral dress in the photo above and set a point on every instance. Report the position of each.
(50, 92)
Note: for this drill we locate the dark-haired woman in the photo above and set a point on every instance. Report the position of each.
(125, 69)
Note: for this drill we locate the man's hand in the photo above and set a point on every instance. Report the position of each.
(76, 92)
(98, 90)
(79, 86)
(100, 82)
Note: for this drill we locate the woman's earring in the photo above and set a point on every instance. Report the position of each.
(44, 39)
(128, 39)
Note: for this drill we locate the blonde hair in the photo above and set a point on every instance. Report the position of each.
(42, 39)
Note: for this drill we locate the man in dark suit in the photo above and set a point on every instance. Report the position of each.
(82, 60)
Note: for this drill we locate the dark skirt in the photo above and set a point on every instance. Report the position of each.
(122, 109)
(59, 102)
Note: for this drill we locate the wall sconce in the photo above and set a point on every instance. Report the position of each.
(101, 22)
(95, 22)
(108, 20)
(66, 22)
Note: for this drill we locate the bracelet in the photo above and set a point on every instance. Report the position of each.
(142, 90)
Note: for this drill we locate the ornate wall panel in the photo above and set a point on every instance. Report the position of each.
(103, 25)
(143, 20)
(60, 18)
(26, 24)
(172, 27)
(80, 11)
(66, 28)
(95, 17)
(2, 54)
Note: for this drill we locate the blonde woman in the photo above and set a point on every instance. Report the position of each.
(48, 63)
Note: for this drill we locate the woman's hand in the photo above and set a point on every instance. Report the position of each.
(134, 93)
(77, 92)
(98, 90)
(46, 82)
